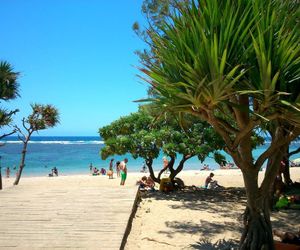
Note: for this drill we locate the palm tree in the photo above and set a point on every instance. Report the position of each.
(8, 91)
(233, 64)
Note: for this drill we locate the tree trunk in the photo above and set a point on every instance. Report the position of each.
(160, 173)
(22, 163)
(286, 172)
(179, 168)
(170, 167)
(149, 163)
(257, 232)
(0, 178)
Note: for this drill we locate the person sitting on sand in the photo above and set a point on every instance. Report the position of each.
(95, 171)
(150, 183)
(222, 166)
(103, 171)
(55, 171)
(288, 237)
(146, 183)
(210, 183)
(205, 167)
(142, 182)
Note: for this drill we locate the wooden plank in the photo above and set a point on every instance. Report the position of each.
(80, 214)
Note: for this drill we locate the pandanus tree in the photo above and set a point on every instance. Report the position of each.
(234, 64)
(8, 91)
(292, 88)
(42, 117)
(142, 136)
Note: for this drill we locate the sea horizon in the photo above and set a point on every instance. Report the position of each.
(74, 154)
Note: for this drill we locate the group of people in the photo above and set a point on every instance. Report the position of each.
(229, 165)
(121, 169)
(205, 167)
(146, 184)
(96, 171)
(8, 171)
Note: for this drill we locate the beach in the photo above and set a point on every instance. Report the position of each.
(189, 219)
(200, 219)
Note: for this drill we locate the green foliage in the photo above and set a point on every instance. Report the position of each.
(156, 12)
(130, 134)
(236, 65)
(8, 82)
(8, 90)
(212, 51)
(141, 136)
(42, 117)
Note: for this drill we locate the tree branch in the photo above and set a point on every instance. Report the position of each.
(279, 141)
(21, 132)
(4, 135)
(244, 132)
(215, 123)
(24, 125)
(294, 152)
(227, 126)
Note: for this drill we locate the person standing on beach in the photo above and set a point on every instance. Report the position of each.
(91, 168)
(118, 168)
(165, 164)
(123, 171)
(110, 172)
(7, 172)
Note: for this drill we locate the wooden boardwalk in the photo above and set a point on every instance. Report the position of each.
(65, 213)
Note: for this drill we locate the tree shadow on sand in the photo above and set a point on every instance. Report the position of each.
(219, 245)
(191, 194)
(204, 227)
(223, 202)
(228, 203)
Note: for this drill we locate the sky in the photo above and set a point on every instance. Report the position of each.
(77, 55)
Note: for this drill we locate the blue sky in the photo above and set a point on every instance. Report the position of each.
(77, 55)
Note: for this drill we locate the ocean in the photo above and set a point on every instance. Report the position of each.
(73, 155)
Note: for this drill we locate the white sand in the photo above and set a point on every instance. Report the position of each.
(198, 219)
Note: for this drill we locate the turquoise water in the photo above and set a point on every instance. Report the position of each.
(73, 155)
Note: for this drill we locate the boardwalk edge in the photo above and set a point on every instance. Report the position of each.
(129, 223)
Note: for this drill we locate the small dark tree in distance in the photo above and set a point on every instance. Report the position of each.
(42, 117)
